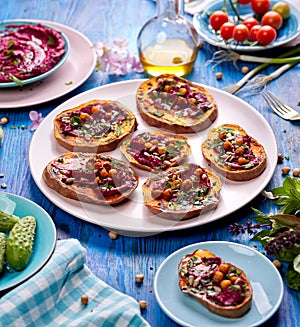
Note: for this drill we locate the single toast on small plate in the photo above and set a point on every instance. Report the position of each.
(233, 153)
(182, 192)
(90, 177)
(94, 126)
(220, 286)
(176, 104)
(156, 150)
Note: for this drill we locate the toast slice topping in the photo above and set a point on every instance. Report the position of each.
(90, 177)
(182, 192)
(156, 150)
(98, 125)
(220, 286)
(176, 104)
(234, 153)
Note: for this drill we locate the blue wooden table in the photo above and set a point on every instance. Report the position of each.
(118, 261)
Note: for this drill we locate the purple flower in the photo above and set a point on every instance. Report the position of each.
(116, 59)
(36, 119)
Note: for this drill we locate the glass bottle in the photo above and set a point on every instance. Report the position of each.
(168, 43)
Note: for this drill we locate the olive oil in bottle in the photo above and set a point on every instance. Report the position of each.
(168, 43)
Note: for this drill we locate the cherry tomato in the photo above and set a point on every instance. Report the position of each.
(244, 2)
(217, 19)
(283, 9)
(273, 19)
(260, 6)
(253, 32)
(240, 33)
(266, 35)
(250, 22)
(226, 30)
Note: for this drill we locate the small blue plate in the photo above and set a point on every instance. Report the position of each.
(187, 311)
(4, 23)
(45, 238)
(289, 31)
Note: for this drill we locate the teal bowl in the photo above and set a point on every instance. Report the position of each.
(45, 238)
(5, 23)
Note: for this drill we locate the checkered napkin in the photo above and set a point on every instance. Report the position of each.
(52, 297)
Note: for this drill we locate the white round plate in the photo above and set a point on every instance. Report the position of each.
(132, 215)
(287, 33)
(78, 67)
(45, 238)
(186, 311)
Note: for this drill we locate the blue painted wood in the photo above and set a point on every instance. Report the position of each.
(117, 261)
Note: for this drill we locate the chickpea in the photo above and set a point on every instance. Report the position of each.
(4, 120)
(296, 172)
(161, 150)
(223, 268)
(98, 165)
(112, 172)
(218, 276)
(285, 170)
(219, 75)
(177, 182)
(148, 145)
(103, 173)
(167, 194)
(154, 141)
(277, 264)
(143, 304)
(222, 135)
(192, 100)
(94, 109)
(84, 116)
(198, 171)
(239, 151)
(183, 90)
(139, 278)
(168, 88)
(225, 283)
(227, 146)
(245, 69)
(233, 279)
(113, 235)
(242, 161)
(239, 140)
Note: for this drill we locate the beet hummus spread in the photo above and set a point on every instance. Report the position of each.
(29, 50)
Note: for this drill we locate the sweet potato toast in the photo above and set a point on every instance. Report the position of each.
(221, 287)
(156, 150)
(95, 126)
(175, 104)
(233, 153)
(90, 177)
(182, 192)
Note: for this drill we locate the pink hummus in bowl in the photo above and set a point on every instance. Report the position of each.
(29, 52)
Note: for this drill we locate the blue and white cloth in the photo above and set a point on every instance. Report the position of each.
(52, 297)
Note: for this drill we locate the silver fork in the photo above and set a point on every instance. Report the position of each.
(279, 107)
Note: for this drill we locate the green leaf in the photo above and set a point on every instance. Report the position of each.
(292, 278)
(287, 255)
(263, 237)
